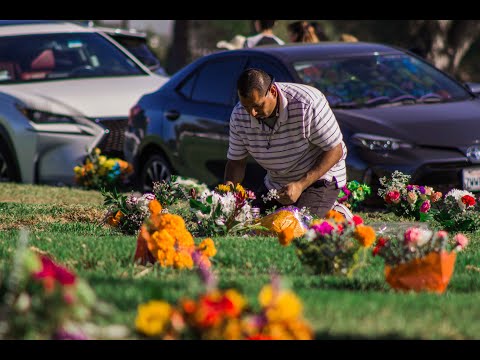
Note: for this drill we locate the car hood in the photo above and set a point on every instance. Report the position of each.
(454, 124)
(105, 97)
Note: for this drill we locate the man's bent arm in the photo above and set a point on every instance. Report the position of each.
(235, 171)
(322, 165)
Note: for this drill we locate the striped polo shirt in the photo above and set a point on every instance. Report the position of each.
(306, 127)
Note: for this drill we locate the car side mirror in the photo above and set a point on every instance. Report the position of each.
(473, 87)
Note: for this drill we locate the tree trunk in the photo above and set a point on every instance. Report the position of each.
(445, 42)
(179, 50)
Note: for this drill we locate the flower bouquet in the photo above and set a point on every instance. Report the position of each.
(225, 315)
(168, 192)
(353, 193)
(127, 213)
(405, 199)
(225, 210)
(163, 238)
(99, 172)
(458, 211)
(43, 300)
(419, 259)
(335, 245)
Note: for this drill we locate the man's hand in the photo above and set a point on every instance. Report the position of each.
(290, 193)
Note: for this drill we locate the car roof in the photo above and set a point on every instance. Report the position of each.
(325, 49)
(26, 27)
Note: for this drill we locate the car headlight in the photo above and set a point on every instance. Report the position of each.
(379, 143)
(43, 117)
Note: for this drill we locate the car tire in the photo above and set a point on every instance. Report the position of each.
(8, 171)
(155, 168)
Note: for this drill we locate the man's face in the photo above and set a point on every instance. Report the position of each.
(259, 105)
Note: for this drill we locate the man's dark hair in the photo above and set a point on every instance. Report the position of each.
(251, 79)
(266, 24)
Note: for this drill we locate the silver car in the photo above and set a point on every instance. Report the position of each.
(64, 89)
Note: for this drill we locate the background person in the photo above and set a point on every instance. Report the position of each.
(302, 32)
(265, 35)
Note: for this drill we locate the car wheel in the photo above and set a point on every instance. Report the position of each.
(7, 167)
(156, 168)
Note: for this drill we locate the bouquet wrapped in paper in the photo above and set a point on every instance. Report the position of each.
(287, 223)
(419, 259)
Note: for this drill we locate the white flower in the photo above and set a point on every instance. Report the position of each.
(310, 235)
(424, 237)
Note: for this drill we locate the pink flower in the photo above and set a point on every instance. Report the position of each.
(411, 236)
(442, 234)
(425, 206)
(325, 228)
(461, 241)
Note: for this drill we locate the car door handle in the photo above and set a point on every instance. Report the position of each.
(172, 114)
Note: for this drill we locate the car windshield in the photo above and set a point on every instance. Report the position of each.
(379, 80)
(61, 56)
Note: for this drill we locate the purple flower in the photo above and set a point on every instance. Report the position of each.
(410, 187)
(63, 334)
(421, 189)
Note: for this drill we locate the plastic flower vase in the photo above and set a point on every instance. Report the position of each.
(430, 273)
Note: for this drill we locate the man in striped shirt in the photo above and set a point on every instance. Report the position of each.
(290, 130)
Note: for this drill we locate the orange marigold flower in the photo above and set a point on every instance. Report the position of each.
(189, 306)
(183, 260)
(365, 235)
(335, 215)
(154, 206)
(285, 236)
(207, 247)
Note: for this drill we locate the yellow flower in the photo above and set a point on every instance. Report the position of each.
(97, 151)
(365, 235)
(239, 189)
(77, 170)
(237, 300)
(223, 188)
(109, 164)
(102, 159)
(207, 247)
(283, 305)
(153, 317)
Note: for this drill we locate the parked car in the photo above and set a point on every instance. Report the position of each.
(64, 89)
(396, 112)
(136, 43)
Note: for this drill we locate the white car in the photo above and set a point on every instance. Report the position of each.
(64, 89)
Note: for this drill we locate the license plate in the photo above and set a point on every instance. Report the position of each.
(471, 179)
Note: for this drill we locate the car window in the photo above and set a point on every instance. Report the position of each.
(379, 80)
(216, 81)
(267, 66)
(62, 56)
(186, 88)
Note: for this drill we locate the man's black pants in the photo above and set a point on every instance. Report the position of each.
(318, 198)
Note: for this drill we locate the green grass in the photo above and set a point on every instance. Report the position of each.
(336, 307)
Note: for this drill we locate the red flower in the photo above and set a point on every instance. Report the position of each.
(380, 244)
(51, 272)
(468, 200)
(259, 337)
(357, 220)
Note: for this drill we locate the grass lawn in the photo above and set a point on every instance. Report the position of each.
(64, 223)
